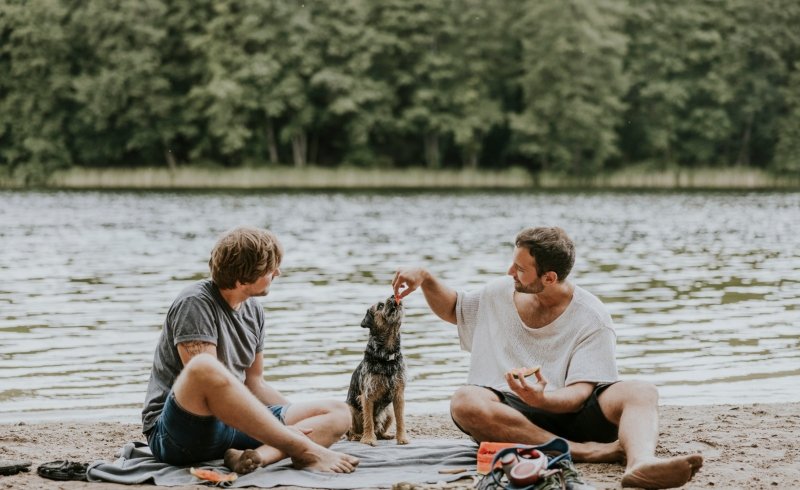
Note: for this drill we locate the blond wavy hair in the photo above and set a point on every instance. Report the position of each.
(244, 254)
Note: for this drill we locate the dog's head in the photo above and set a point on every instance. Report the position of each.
(384, 318)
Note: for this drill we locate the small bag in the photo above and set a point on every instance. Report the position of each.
(544, 467)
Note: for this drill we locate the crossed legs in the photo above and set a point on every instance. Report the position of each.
(206, 387)
(484, 417)
(323, 422)
(631, 405)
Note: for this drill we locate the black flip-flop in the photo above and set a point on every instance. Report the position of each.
(8, 468)
(63, 470)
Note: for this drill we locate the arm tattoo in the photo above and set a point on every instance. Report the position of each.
(195, 347)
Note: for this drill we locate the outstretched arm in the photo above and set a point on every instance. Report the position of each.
(440, 298)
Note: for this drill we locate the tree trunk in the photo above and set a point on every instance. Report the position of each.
(171, 163)
(272, 144)
(471, 156)
(744, 149)
(299, 148)
(313, 151)
(432, 150)
(577, 164)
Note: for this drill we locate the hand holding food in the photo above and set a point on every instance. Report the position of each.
(528, 384)
(527, 372)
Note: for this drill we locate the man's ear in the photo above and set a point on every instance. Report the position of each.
(369, 320)
(550, 277)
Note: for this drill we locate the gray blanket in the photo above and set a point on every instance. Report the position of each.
(381, 466)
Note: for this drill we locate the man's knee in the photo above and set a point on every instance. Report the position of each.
(336, 414)
(207, 369)
(340, 412)
(469, 405)
(640, 392)
(617, 397)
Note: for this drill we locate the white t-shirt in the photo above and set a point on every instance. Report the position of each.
(577, 346)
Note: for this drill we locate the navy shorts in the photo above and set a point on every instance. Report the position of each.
(587, 424)
(181, 438)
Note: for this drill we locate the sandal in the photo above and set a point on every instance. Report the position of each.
(8, 468)
(63, 470)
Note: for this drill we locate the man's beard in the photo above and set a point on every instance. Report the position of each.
(533, 288)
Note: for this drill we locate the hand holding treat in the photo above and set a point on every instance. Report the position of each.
(528, 384)
(526, 372)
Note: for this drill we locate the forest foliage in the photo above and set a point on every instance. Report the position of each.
(567, 86)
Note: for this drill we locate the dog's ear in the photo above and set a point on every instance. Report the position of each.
(369, 319)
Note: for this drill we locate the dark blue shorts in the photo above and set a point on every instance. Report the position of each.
(182, 438)
(587, 424)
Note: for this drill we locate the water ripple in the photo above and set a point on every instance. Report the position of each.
(704, 288)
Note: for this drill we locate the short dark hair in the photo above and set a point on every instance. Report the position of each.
(552, 249)
(244, 254)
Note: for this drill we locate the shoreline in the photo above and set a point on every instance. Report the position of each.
(744, 446)
(416, 178)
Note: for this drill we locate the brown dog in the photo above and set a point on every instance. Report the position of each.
(380, 378)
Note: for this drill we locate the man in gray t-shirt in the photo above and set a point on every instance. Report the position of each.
(536, 317)
(207, 398)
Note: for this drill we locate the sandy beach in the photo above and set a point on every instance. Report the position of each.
(745, 446)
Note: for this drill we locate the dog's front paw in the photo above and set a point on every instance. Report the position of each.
(369, 439)
(402, 439)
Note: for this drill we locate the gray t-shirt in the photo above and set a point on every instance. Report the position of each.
(577, 346)
(201, 313)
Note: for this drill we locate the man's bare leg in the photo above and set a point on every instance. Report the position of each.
(480, 412)
(324, 422)
(205, 387)
(633, 407)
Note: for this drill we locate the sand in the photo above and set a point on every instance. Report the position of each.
(745, 446)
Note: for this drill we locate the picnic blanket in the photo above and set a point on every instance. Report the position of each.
(381, 466)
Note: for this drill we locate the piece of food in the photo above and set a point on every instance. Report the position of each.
(211, 475)
(528, 372)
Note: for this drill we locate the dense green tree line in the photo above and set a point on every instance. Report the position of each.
(573, 86)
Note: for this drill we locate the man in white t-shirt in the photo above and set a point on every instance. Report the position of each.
(536, 317)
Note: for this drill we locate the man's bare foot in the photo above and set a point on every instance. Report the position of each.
(322, 459)
(242, 462)
(597, 452)
(662, 472)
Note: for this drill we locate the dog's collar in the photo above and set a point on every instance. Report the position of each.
(391, 357)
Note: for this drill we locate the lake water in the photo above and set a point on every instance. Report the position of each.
(704, 288)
